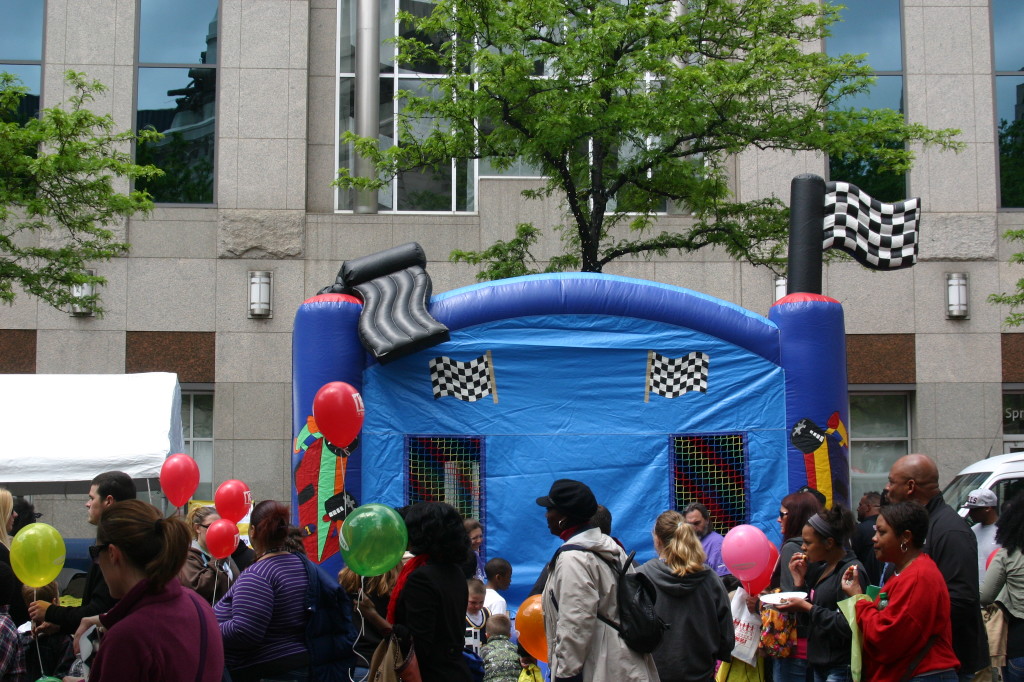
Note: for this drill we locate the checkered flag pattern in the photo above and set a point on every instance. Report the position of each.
(672, 377)
(469, 381)
(880, 236)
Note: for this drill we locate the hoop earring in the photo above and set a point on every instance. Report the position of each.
(903, 546)
(560, 524)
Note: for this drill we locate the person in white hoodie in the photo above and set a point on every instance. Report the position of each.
(692, 600)
(580, 592)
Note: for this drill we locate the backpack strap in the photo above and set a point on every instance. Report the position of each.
(616, 570)
(202, 637)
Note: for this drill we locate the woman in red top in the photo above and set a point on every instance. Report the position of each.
(906, 635)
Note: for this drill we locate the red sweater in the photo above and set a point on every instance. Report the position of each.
(894, 636)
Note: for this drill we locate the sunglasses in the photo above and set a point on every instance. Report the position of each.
(783, 515)
(94, 551)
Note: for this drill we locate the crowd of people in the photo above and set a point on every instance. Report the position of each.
(167, 609)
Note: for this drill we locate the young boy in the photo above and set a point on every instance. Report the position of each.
(501, 658)
(499, 577)
(476, 616)
(55, 650)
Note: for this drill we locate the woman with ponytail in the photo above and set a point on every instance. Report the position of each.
(692, 600)
(158, 630)
(262, 617)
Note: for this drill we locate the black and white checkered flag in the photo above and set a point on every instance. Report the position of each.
(881, 236)
(672, 377)
(469, 381)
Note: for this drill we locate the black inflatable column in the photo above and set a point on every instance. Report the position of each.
(806, 233)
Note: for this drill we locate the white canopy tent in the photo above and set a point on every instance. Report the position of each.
(57, 429)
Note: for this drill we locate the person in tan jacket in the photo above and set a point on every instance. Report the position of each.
(209, 577)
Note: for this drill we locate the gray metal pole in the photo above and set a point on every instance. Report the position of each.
(806, 233)
(367, 94)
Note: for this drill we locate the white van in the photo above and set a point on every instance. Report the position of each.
(1004, 475)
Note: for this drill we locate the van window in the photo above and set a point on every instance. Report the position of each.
(1007, 489)
(956, 492)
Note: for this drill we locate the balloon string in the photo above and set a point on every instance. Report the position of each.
(362, 625)
(39, 653)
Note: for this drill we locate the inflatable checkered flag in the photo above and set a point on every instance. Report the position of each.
(880, 236)
(469, 381)
(672, 377)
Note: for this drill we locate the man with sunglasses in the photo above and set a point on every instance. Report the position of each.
(105, 490)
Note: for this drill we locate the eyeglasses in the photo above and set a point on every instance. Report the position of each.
(94, 551)
(783, 515)
(204, 525)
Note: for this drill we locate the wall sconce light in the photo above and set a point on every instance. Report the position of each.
(261, 294)
(781, 287)
(956, 296)
(81, 291)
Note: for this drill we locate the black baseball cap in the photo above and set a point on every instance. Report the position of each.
(572, 498)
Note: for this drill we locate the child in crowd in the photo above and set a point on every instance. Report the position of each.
(501, 658)
(476, 616)
(499, 577)
(55, 649)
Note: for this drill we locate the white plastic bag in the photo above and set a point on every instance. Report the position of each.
(748, 628)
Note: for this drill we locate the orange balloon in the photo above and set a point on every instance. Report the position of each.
(530, 623)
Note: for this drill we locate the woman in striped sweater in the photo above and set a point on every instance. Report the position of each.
(261, 617)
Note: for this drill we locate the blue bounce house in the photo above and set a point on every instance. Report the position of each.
(654, 395)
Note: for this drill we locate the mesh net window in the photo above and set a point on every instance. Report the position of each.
(711, 469)
(445, 469)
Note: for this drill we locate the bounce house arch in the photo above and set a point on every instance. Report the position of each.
(652, 394)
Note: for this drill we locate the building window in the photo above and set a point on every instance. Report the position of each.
(1013, 422)
(874, 28)
(177, 95)
(879, 435)
(197, 429)
(711, 469)
(446, 469)
(21, 50)
(1008, 49)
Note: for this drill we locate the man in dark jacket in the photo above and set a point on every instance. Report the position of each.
(106, 489)
(863, 534)
(953, 547)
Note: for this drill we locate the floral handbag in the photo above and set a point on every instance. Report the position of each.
(778, 632)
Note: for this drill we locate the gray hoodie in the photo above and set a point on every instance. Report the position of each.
(696, 606)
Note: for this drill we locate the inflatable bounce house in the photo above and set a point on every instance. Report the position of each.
(654, 395)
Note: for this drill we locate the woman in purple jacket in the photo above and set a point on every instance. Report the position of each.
(262, 617)
(158, 630)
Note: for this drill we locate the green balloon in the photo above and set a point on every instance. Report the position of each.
(37, 554)
(373, 539)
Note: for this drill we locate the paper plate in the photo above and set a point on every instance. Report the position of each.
(777, 598)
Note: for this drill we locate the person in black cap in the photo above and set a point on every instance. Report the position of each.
(580, 587)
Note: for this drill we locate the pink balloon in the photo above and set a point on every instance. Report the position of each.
(338, 412)
(232, 500)
(758, 584)
(179, 478)
(745, 552)
(222, 538)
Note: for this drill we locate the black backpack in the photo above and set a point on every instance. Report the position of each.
(639, 626)
(329, 630)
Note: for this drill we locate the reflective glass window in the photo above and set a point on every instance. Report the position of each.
(30, 76)
(872, 27)
(197, 428)
(178, 32)
(21, 30)
(181, 104)
(879, 435)
(1007, 39)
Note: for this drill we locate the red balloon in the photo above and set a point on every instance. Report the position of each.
(338, 412)
(179, 478)
(232, 500)
(530, 623)
(757, 585)
(222, 538)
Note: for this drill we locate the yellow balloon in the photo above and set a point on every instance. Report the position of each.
(37, 554)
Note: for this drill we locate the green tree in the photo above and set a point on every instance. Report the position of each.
(57, 194)
(628, 105)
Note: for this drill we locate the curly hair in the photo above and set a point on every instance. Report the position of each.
(1010, 527)
(840, 523)
(800, 507)
(435, 528)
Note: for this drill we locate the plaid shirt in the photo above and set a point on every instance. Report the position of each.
(12, 655)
